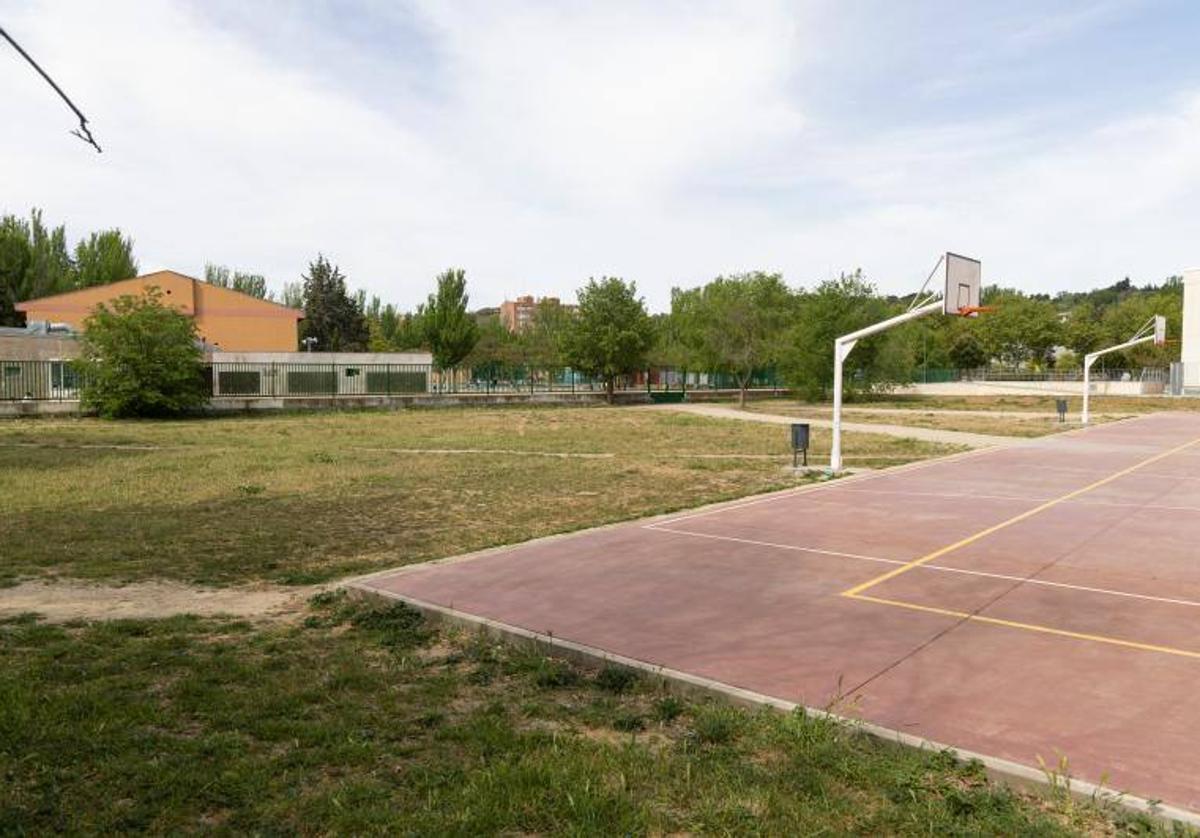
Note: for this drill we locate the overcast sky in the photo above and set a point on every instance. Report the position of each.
(536, 145)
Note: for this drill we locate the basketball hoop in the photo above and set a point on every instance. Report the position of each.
(960, 287)
(1160, 330)
(1153, 330)
(974, 311)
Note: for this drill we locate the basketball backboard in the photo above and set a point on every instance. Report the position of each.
(963, 280)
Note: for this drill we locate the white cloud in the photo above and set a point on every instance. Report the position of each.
(537, 145)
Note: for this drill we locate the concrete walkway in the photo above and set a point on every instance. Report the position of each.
(949, 411)
(926, 434)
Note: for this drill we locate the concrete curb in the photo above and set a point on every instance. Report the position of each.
(1013, 774)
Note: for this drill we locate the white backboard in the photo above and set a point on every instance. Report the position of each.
(964, 278)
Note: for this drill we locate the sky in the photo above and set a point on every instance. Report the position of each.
(539, 144)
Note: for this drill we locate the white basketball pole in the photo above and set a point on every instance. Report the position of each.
(1147, 332)
(841, 348)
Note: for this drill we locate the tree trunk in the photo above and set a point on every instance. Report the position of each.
(609, 386)
(742, 397)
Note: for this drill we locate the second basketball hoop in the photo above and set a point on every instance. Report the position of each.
(962, 279)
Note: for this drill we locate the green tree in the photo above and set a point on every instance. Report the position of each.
(104, 257)
(141, 358)
(254, 285)
(1084, 330)
(670, 347)
(966, 350)
(1122, 320)
(450, 331)
(497, 353)
(837, 307)
(1021, 330)
(612, 334)
(544, 341)
(293, 294)
(331, 315)
(736, 324)
(34, 262)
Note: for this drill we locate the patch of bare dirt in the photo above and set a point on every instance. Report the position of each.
(63, 601)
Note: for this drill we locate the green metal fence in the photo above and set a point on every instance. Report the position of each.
(935, 375)
(60, 381)
(38, 381)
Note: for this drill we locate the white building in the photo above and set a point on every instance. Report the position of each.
(1190, 352)
(282, 374)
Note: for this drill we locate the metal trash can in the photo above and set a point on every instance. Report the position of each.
(799, 441)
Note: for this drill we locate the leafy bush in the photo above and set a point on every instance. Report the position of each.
(141, 358)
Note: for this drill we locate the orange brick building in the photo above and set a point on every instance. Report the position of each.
(228, 320)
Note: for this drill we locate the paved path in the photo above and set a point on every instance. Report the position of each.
(927, 434)
(949, 411)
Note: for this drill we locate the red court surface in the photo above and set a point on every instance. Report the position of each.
(1035, 600)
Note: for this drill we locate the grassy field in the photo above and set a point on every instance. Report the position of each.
(344, 717)
(306, 498)
(361, 719)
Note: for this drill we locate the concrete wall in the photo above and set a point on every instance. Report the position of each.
(1034, 388)
(227, 319)
(1190, 354)
(52, 347)
(12, 409)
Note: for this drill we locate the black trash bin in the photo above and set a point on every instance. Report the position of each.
(799, 441)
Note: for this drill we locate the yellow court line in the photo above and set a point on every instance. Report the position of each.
(995, 621)
(857, 590)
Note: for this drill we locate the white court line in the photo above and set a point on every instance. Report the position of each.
(1069, 470)
(937, 567)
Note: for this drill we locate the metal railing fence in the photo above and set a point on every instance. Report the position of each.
(59, 380)
(1150, 375)
(39, 381)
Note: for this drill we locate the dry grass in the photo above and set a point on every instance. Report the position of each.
(971, 420)
(305, 498)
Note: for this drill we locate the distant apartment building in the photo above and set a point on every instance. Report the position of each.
(518, 314)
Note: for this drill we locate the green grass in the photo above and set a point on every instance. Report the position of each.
(306, 498)
(361, 718)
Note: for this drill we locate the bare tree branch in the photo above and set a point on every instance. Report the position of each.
(82, 132)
